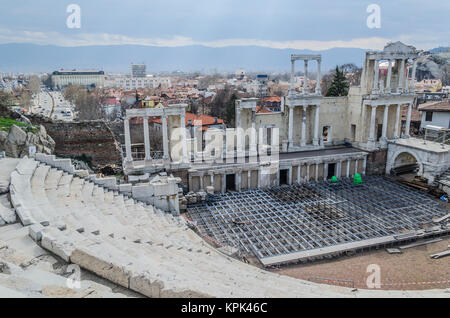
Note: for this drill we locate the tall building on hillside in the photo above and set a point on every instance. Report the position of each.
(138, 70)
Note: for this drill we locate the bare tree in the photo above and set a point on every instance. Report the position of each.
(88, 104)
(34, 84)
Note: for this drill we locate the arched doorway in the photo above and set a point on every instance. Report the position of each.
(405, 163)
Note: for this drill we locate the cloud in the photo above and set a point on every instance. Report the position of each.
(103, 39)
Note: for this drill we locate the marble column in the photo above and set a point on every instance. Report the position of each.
(303, 137)
(308, 171)
(397, 122)
(372, 124)
(211, 179)
(305, 81)
(376, 67)
(413, 76)
(316, 177)
(238, 116)
(385, 122)
(319, 78)
(146, 139)
(325, 171)
(339, 169)
(165, 137)
(408, 120)
(224, 182)
(291, 127)
(183, 138)
(299, 173)
(291, 88)
(348, 168)
(249, 179)
(389, 77)
(201, 181)
(406, 84)
(237, 180)
(126, 127)
(290, 178)
(401, 76)
(252, 147)
(316, 126)
(356, 166)
(364, 165)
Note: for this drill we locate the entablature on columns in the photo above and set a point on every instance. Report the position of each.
(171, 110)
(303, 100)
(247, 103)
(389, 100)
(385, 56)
(306, 57)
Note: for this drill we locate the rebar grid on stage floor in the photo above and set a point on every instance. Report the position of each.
(287, 219)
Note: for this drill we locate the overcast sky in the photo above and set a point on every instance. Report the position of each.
(296, 24)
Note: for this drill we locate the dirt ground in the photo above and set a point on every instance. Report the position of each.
(412, 266)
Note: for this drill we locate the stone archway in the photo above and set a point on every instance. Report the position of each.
(404, 157)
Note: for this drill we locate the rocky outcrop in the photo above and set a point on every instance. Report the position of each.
(16, 143)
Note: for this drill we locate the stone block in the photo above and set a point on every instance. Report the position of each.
(34, 231)
(102, 265)
(147, 286)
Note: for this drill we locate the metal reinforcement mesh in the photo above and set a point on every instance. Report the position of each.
(287, 219)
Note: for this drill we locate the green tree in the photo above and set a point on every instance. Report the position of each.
(5, 101)
(230, 110)
(339, 86)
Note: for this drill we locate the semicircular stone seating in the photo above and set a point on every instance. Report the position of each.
(136, 245)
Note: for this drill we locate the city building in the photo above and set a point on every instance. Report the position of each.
(132, 83)
(436, 114)
(64, 78)
(138, 70)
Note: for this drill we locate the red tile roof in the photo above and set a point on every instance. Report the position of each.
(441, 106)
(195, 120)
(262, 110)
(272, 99)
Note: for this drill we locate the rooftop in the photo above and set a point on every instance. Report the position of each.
(440, 106)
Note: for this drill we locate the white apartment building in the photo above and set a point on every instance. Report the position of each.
(132, 83)
(85, 78)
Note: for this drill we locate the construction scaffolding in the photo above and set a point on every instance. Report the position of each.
(304, 221)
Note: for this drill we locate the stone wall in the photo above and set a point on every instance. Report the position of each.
(137, 134)
(376, 162)
(93, 139)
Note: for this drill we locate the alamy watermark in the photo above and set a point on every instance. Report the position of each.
(374, 279)
(374, 19)
(74, 19)
(74, 279)
(232, 145)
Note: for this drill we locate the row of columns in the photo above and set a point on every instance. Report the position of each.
(252, 140)
(303, 127)
(147, 147)
(338, 172)
(240, 174)
(305, 81)
(403, 84)
(385, 121)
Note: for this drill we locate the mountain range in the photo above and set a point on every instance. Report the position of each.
(27, 58)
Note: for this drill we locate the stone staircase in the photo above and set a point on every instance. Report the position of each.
(141, 248)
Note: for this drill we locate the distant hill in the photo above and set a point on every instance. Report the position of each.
(37, 58)
(440, 50)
